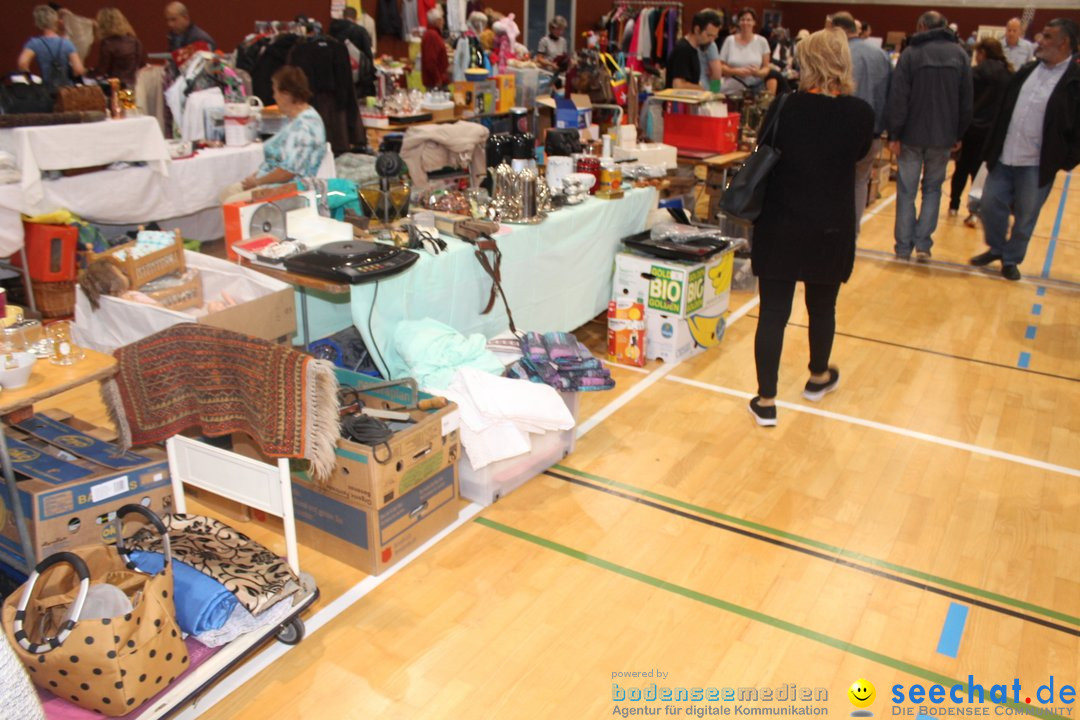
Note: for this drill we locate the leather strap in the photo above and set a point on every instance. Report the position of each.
(486, 244)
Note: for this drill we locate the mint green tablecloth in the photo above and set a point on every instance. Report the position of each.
(556, 275)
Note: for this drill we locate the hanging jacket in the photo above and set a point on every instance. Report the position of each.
(387, 18)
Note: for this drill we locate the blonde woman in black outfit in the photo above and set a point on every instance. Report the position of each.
(806, 232)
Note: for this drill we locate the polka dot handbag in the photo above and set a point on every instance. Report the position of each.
(108, 664)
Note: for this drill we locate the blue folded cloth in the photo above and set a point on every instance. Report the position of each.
(202, 603)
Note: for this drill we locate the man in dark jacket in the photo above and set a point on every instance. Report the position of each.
(1035, 134)
(929, 108)
(183, 32)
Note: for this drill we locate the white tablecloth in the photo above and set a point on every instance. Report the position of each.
(62, 147)
(188, 197)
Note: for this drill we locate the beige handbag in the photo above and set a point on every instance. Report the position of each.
(108, 664)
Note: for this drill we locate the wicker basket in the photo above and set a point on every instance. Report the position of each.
(55, 299)
(153, 265)
(182, 296)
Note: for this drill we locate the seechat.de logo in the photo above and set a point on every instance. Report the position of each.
(862, 695)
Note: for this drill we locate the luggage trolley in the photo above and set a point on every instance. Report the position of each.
(256, 484)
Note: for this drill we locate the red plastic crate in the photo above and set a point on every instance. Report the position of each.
(50, 251)
(702, 132)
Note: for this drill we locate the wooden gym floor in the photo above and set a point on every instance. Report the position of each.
(679, 538)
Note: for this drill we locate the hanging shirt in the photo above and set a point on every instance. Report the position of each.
(299, 147)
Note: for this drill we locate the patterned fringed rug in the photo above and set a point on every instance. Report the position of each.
(197, 376)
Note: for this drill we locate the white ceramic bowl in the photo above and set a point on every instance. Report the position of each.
(18, 376)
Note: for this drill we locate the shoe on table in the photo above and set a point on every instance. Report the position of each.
(816, 390)
(922, 256)
(1010, 272)
(971, 221)
(984, 259)
(764, 416)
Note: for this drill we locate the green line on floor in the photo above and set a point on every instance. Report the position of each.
(850, 554)
(761, 617)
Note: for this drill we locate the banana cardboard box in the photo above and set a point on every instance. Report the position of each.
(675, 287)
(670, 337)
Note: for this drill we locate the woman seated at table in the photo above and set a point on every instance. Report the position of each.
(745, 58)
(57, 60)
(120, 53)
(298, 149)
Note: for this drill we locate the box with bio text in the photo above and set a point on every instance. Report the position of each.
(674, 287)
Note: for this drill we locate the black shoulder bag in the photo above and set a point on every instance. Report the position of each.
(745, 194)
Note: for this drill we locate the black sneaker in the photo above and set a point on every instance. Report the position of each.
(815, 391)
(984, 259)
(1010, 272)
(764, 416)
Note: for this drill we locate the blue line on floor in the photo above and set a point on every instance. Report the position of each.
(955, 620)
(1036, 309)
(1024, 361)
(1040, 291)
(1057, 228)
(1030, 333)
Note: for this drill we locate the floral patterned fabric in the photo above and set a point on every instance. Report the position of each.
(257, 576)
(299, 147)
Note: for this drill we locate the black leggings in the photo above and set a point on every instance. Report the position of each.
(967, 164)
(776, 296)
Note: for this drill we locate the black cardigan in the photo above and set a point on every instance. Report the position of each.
(1061, 126)
(806, 230)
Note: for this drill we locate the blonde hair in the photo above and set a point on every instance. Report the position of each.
(825, 62)
(46, 18)
(112, 23)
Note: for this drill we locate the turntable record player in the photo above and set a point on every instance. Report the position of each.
(354, 262)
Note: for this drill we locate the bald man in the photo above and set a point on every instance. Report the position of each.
(1019, 51)
(183, 32)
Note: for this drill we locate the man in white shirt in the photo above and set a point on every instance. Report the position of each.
(1019, 51)
(1036, 133)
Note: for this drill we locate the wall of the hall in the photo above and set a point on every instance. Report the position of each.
(229, 20)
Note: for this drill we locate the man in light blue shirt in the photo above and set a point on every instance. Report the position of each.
(1036, 133)
(1019, 51)
(872, 69)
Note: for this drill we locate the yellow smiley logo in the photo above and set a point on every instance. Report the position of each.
(861, 693)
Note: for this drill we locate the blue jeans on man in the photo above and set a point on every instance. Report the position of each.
(929, 164)
(1012, 189)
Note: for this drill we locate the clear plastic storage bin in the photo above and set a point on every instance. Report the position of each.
(491, 482)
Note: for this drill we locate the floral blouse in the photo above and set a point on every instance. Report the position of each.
(299, 147)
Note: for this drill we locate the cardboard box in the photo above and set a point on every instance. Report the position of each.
(369, 538)
(265, 309)
(675, 287)
(475, 97)
(63, 515)
(504, 92)
(376, 476)
(671, 337)
(572, 112)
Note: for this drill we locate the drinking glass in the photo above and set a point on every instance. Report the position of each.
(62, 350)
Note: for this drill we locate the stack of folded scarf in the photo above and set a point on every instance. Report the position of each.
(558, 359)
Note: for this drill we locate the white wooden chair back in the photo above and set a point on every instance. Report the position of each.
(246, 480)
